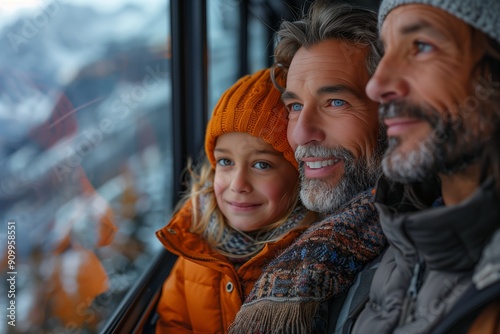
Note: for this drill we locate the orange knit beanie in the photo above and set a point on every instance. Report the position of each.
(252, 105)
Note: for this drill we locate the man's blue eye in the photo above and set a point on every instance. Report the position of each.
(295, 107)
(338, 103)
(423, 47)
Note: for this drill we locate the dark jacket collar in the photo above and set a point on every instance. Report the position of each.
(448, 238)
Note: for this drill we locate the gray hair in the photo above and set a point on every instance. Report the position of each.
(324, 21)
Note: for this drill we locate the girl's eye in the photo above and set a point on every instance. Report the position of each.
(338, 103)
(423, 47)
(262, 165)
(224, 162)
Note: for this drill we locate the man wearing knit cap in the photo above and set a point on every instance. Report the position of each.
(439, 88)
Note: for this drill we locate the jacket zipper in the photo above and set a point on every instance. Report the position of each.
(408, 308)
(165, 241)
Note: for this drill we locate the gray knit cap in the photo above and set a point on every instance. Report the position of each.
(483, 15)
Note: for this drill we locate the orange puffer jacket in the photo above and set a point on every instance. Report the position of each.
(204, 291)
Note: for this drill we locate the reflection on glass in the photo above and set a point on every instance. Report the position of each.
(222, 38)
(85, 157)
(223, 35)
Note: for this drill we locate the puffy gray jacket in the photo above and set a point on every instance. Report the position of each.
(437, 253)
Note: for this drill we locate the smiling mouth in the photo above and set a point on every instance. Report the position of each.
(401, 121)
(321, 164)
(400, 126)
(243, 205)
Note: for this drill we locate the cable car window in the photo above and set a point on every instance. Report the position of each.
(260, 44)
(222, 35)
(85, 156)
(238, 43)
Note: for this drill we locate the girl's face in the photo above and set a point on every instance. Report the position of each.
(254, 184)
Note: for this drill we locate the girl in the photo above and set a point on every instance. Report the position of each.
(241, 211)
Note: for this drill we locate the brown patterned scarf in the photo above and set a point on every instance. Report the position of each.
(321, 264)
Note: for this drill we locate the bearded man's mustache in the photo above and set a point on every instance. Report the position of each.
(405, 109)
(324, 152)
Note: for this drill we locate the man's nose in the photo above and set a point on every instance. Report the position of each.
(307, 128)
(388, 82)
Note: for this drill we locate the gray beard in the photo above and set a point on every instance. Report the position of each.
(412, 166)
(319, 195)
(450, 148)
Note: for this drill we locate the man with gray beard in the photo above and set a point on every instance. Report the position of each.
(318, 194)
(322, 65)
(439, 88)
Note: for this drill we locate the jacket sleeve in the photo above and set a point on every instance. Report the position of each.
(172, 306)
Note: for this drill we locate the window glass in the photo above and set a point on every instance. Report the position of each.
(85, 156)
(223, 33)
(222, 38)
(258, 44)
